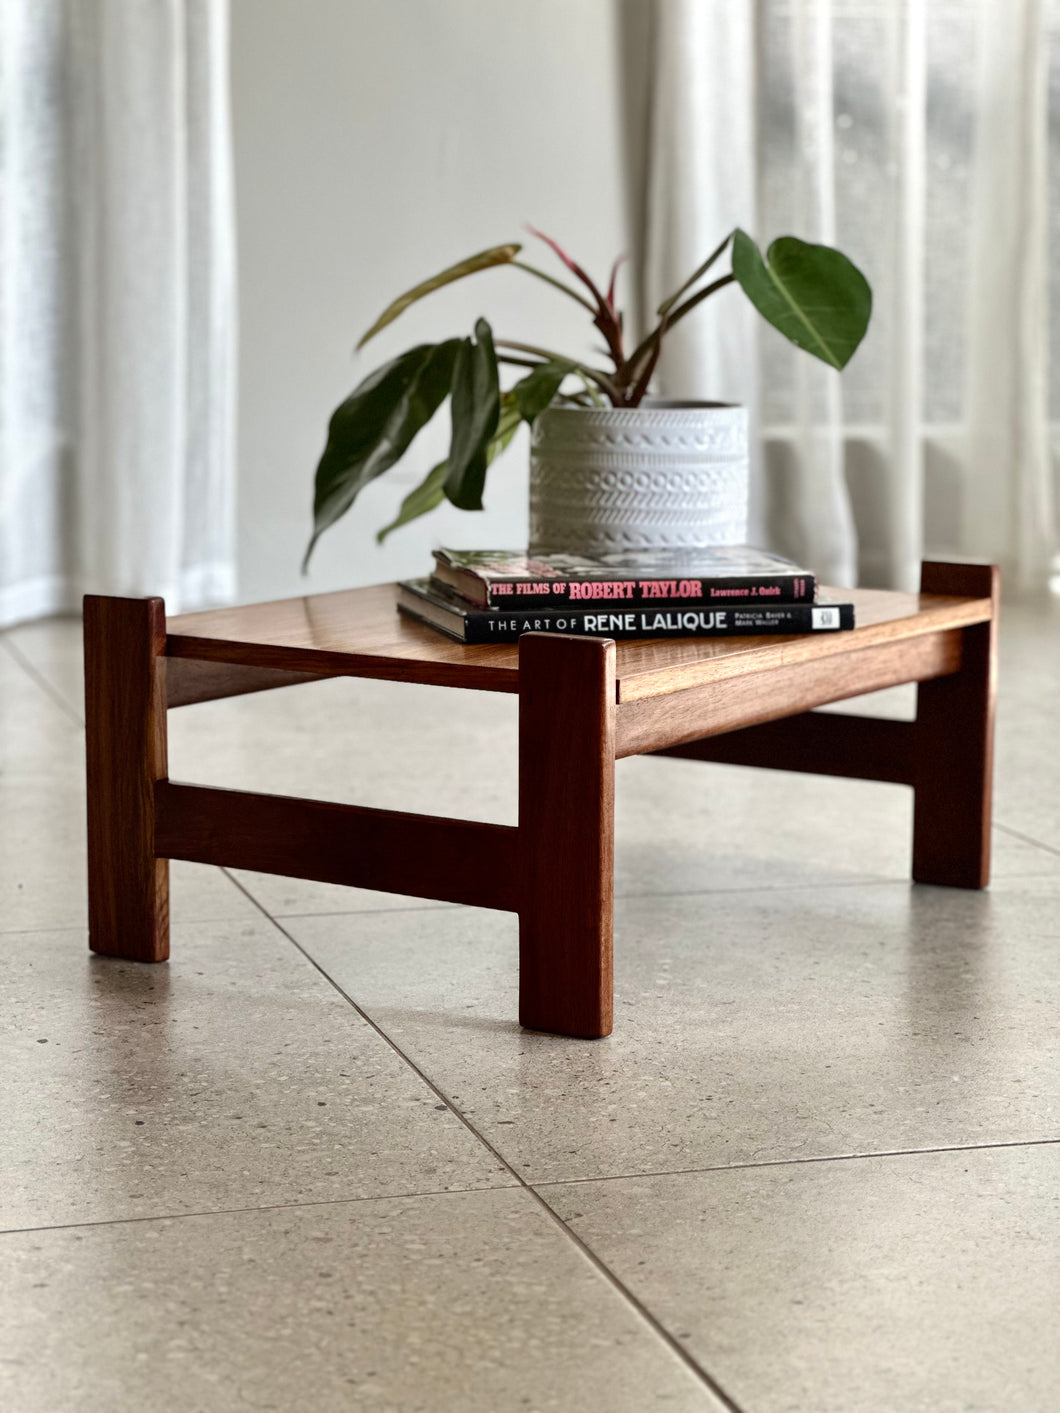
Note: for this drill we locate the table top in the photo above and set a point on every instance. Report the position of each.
(359, 633)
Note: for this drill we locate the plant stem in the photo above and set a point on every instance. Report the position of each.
(520, 362)
(668, 304)
(646, 346)
(640, 387)
(600, 378)
(545, 353)
(558, 284)
(593, 394)
(697, 298)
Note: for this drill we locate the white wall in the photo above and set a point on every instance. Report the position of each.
(376, 141)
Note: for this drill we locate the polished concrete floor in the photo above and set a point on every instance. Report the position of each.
(314, 1164)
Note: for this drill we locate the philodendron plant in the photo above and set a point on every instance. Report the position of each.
(813, 294)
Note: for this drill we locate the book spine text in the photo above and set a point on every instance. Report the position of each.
(663, 622)
(517, 594)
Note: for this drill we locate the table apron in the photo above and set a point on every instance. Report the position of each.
(189, 680)
(454, 860)
(654, 723)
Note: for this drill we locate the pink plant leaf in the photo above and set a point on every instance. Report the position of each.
(605, 320)
(557, 249)
(572, 265)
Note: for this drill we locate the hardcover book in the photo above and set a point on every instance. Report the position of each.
(446, 611)
(717, 574)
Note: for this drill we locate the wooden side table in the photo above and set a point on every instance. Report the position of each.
(583, 703)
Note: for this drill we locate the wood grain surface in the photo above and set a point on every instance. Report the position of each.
(654, 723)
(188, 681)
(354, 632)
(815, 743)
(954, 755)
(421, 856)
(651, 669)
(358, 632)
(125, 754)
(566, 833)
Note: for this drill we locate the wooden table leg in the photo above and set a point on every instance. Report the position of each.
(125, 738)
(953, 753)
(566, 833)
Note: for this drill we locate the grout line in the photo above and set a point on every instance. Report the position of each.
(34, 672)
(793, 1162)
(655, 1324)
(265, 1207)
(873, 881)
(1027, 838)
(870, 881)
(82, 927)
(360, 912)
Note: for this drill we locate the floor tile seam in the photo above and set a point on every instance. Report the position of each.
(1028, 839)
(877, 882)
(825, 885)
(606, 1273)
(83, 927)
(511, 1186)
(440, 907)
(798, 1162)
(872, 882)
(712, 1384)
(34, 673)
(277, 917)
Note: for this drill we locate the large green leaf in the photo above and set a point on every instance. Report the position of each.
(419, 501)
(373, 428)
(813, 294)
(431, 490)
(475, 407)
(534, 392)
(485, 260)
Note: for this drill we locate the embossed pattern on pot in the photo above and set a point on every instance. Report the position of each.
(656, 476)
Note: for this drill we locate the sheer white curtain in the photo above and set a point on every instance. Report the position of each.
(117, 303)
(914, 135)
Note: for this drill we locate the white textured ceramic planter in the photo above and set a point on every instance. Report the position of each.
(657, 476)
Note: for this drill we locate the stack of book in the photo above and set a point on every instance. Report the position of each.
(493, 596)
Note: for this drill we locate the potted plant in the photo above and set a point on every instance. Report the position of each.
(609, 469)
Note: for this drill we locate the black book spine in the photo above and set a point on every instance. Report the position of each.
(497, 626)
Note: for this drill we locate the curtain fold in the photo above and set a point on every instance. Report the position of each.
(824, 523)
(914, 137)
(699, 127)
(117, 304)
(1009, 507)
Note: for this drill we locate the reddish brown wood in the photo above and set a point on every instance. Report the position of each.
(566, 833)
(954, 745)
(655, 723)
(581, 704)
(661, 667)
(125, 738)
(351, 633)
(815, 743)
(359, 633)
(456, 860)
(188, 681)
